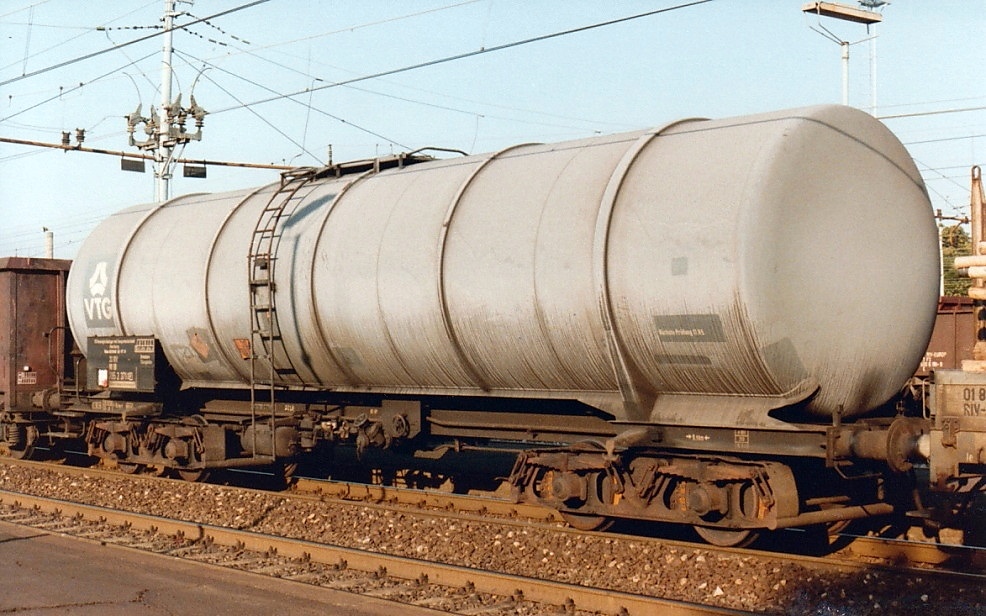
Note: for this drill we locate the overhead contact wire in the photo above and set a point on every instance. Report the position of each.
(469, 54)
(74, 88)
(127, 44)
(262, 118)
(263, 87)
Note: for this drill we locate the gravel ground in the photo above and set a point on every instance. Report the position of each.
(754, 583)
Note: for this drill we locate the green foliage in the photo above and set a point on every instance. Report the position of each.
(955, 242)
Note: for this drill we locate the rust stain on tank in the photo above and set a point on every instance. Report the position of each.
(199, 343)
(244, 347)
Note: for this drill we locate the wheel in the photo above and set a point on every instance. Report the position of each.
(582, 521)
(130, 468)
(19, 440)
(727, 537)
(193, 474)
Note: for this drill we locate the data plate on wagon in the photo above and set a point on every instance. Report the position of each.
(122, 363)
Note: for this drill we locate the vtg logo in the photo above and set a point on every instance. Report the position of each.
(99, 308)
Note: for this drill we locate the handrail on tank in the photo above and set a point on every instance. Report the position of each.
(376, 165)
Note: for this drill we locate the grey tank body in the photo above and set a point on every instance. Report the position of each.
(702, 273)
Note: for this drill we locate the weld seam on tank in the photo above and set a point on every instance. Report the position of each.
(384, 321)
(237, 365)
(918, 181)
(480, 380)
(625, 382)
(627, 375)
(538, 307)
(124, 252)
(322, 337)
(760, 380)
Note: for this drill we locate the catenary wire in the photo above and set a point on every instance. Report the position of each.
(206, 21)
(77, 36)
(24, 8)
(360, 26)
(261, 117)
(74, 88)
(121, 45)
(477, 52)
(917, 114)
(289, 68)
(315, 109)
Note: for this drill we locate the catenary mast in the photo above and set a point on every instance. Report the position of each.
(165, 150)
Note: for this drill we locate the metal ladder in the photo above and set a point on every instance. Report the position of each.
(266, 342)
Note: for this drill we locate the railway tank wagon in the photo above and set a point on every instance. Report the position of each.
(685, 324)
(702, 259)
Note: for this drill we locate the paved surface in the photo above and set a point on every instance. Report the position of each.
(45, 574)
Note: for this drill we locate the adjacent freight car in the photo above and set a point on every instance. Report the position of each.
(709, 323)
(953, 337)
(36, 364)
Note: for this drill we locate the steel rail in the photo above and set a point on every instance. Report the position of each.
(423, 499)
(531, 589)
(914, 552)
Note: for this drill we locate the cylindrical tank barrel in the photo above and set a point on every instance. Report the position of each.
(729, 267)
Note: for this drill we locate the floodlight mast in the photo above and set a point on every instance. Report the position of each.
(873, 5)
(853, 14)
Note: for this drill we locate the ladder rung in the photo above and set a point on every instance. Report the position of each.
(287, 181)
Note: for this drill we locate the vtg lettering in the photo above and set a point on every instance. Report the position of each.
(98, 308)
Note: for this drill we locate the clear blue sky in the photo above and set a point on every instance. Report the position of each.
(722, 58)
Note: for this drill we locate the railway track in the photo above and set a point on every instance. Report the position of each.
(868, 550)
(422, 583)
(874, 549)
(678, 569)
